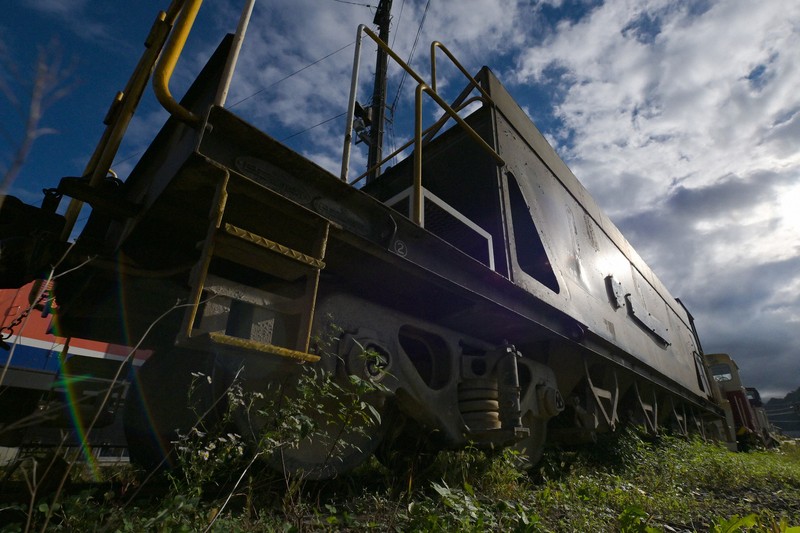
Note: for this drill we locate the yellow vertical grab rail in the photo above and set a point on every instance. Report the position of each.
(169, 59)
(200, 270)
(123, 108)
(426, 132)
(348, 135)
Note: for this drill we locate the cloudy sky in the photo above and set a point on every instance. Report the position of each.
(682, 118)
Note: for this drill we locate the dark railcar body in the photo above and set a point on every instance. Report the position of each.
(510, 307)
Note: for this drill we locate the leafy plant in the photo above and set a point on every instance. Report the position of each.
(628, 483)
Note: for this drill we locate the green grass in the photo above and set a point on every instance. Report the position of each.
(686, 485)
(624, 483)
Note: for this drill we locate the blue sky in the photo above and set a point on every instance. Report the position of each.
(682, 118)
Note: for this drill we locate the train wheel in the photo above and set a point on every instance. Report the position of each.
(406, 449)
(531, 448)
(15, 405)
(308, 422)
(164, 399)
(342, 438)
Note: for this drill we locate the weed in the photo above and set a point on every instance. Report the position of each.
(627, 483)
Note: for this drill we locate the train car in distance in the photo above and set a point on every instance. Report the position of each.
(50, 383)
(754, 397)
(742, 405)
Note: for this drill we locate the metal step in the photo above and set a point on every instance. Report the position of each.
(255, 346)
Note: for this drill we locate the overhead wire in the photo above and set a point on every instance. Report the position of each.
(131, 156)
(390, 125)
(308, 65)
(399, 18)
(314, 126)
(292, 74)
(356, 4)
(404, 74)
(410, 56)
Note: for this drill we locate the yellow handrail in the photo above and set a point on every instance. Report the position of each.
(473, 84)
(393, 55)
(433, 127)
(169, 59)
(436, 44)
(417, 198)
(422, 87)
(354, 87)
(473, 81)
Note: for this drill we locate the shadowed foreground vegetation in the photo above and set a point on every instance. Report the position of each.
(623, 484)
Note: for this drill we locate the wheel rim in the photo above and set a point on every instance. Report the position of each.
(531, 448)
(303, 420)
(158, 405)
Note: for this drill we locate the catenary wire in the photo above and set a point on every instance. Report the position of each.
(314, 126)
(131, 156)
(397, 26)
(355, 4)
(292, 74)
(410, 56)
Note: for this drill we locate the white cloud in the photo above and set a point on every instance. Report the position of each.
(74, 15)
(684, 126)
(61, 7)
(680, 106)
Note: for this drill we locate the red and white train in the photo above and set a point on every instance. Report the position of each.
(53, 388)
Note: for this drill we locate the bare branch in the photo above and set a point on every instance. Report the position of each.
(51, 83)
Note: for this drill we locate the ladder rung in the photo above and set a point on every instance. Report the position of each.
(273, 246)
(221, 338)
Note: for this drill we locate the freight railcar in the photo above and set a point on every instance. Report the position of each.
(500, 305)
(742, 405)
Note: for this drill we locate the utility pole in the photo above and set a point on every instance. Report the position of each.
(382, 18)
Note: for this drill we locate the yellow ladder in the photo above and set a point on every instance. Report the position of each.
(234, 315)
